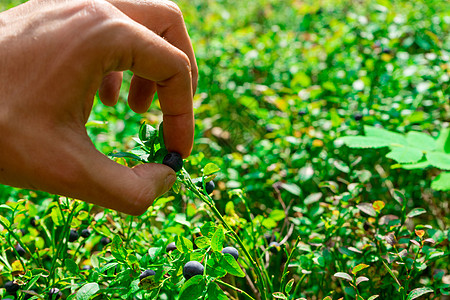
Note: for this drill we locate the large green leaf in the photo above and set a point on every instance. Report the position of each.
(87, 291)
(416, 293)
(421, 140)
(385, 135)
(439, 160)
(441, 182)
(231, 265)
(183, 244)
(214, 292)
(359, 141)
(405, 155)
(193, 288)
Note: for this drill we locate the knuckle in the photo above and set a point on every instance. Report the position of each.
(173, 9)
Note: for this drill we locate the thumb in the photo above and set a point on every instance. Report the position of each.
(111, 185)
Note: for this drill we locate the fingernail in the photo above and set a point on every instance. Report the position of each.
(170, 180)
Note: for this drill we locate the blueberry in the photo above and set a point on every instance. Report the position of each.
(210, 186)
(33, 221)
(173, 160)
(192, 268)
(269, 129)
(11, 287)
(146, 273)
(105, 240)
(387, 50)
(302, 113)
(54, 294)
(171, 247)
(20, 250)
(85, 233)
(73, 235)
(231, 250)
(357, 116)
(274, 247)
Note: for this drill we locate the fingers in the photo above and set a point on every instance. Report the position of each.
(165, 19)
(110, 88)
(153, 59)
(141, 94)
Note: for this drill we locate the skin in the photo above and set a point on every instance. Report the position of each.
(54, 56)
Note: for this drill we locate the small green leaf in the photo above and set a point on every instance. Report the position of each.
(279, 295)
(117, 249)
(439, 160)
(443, 141)
(148, 283)
(71, 266)
(192, 288)
(421, 140)
(289, 285)
(405, 155)
(183, 244)
(343, 276)
(202, 242)
(359, 268)
(441, 182)
(416, 212)
(214, 292)
(312, 198)
(210, 169)
(361, 279)
(87, 291)
(4, 221)
(416, 293)
(292, 188)
(367, 208)
(125, 154)
(218, 239)
(231, 265)
(373, 297)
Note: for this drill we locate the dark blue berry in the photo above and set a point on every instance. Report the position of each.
(302, 113)
(85, 233)
(105, 240)
(73, 235)
(210, 186)
(192, 268)
(11, 287)
(231, 250)
(170, 247)
(173, 160)
(28, 296)
(274, 247)
(20, 250)
(146, 273)
(358, 116)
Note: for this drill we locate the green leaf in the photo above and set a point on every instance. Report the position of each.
(148, 283)
(214, 292)
(312, 198)
(359, 141)
(218, 239)
(202, 242)
(87, 291)
(421, 140)
(210, 169)
(289, 285)
(193, 288)
(391, 273)
(57, 218)
(405, 155)
(4, 221)
(71, 266)
(292, 188)
(439, 160)
(358, 268)
(146, 132)
(278, 295)
(183, 244)
(373, 297)
(416, 293)
(416, 212)
(277, 215)
(117, 249)
(208, 229)
(415, 166)
(367, 208)
(231, 265)
(343, 276)
(386, 135)
(361, 279)
(441, 182)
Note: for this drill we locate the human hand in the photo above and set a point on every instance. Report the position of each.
(54, 56)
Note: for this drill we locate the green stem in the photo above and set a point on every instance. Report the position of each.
(286, 266)
(206, 199)
(234, 288)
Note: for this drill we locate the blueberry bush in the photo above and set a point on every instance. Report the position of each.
(320, 167)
